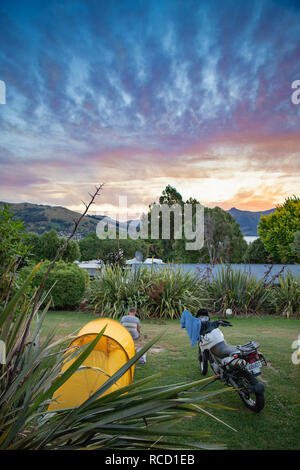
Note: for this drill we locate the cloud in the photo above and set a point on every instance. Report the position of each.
(145, 94)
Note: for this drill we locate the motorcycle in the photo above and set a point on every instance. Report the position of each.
(236, 366)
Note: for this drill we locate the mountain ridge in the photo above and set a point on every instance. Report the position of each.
(248, 220)
(43, 217)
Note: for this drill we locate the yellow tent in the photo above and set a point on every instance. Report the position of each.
(113, 350)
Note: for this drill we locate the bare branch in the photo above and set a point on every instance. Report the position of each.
(64, 246)
(57, 256)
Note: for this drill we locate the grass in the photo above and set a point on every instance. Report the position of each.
(276, 427)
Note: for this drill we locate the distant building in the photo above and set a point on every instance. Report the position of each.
(93, 267)
(77, 236)
(147, 261)
(153, 261)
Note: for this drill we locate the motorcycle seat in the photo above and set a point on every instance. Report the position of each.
(223, 349)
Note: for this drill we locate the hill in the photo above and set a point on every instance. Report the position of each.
(41, 218)
(248, 220)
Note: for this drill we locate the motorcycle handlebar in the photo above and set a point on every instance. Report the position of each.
(224, 323)
(208, 326)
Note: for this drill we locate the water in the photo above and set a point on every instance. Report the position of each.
(250, 239)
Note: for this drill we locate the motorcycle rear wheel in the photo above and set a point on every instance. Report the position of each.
(252, 393)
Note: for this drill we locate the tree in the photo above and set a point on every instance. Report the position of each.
(92, 247)
(223, 239)
(45, 247)
(170, 196)
(164, 247)
(12, 234)
(50, 244)
(72, 252)
(256, 253)
(277, 230)
(296, 244)
(42, 247)
(33, 242)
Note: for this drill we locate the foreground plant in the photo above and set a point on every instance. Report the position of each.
(133, 417)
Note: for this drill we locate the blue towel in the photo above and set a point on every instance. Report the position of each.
(192, 326)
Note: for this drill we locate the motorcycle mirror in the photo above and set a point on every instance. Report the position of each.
(228, 312)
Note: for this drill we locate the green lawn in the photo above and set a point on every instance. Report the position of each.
(276, 427)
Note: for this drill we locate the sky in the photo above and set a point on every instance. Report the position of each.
(140, 94)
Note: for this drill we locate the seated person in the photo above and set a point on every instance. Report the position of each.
(132, 323)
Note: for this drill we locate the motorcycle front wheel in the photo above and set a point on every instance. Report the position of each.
(203, 361)
(251, 391)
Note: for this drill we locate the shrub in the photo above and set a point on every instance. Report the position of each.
(115, 291)
(256, 253)
(156, 294)
(277, 230)
(287, 295)
(67, 282)
(241, 292)
(164, 293)
(173, 290)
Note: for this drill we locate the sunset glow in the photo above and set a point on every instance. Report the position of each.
(140, 94)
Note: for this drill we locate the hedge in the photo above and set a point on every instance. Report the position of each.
(68, 283)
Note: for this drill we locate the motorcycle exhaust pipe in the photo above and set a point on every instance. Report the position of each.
(228, 361)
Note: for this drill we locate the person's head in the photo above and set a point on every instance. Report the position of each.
(202, 312)
(132, 311)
